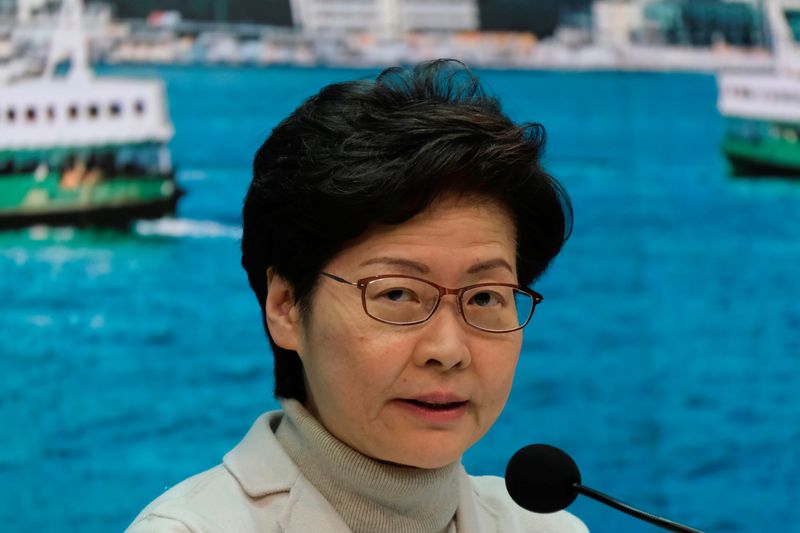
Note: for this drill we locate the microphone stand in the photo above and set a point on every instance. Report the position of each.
(625, 508)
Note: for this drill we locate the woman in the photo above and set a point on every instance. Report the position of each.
(390, 233)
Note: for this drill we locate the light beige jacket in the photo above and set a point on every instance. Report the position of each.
(258, 489)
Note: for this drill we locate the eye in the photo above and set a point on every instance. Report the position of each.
(398, 294)
(486, 299)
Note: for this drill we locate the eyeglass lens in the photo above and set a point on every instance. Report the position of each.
(408, 301)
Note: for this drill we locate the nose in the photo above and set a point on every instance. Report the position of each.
(443, 339)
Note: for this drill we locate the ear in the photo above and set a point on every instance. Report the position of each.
(283, 314)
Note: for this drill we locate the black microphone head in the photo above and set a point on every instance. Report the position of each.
(542, 478)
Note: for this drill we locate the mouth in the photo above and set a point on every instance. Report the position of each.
(436, 406)
(436, 409)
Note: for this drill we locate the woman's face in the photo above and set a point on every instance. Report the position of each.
(365, 378)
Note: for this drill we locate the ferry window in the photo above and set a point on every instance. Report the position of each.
(137, 161)
(30, 114)
(139, 107)
(51, 113)
(72, 112)
(11, 114)
(93, 111)
(793, 20)
(115, 109)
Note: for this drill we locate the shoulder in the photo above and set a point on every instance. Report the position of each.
(184, 507)
(492, 495)
(210, 501)
(247, 493)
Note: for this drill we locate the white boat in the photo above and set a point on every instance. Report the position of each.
(762, 110)
(76, 149)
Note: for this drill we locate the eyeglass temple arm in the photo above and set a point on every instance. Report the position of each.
(337, 278)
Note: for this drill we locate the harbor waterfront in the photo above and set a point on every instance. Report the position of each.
(665, 357)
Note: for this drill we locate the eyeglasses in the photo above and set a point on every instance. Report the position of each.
(406, 300)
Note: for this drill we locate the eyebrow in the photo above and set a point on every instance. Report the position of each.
(489, 265)
(396, 261)
(423, 269)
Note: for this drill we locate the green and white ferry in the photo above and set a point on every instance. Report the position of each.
(81, 150)
(762, 110)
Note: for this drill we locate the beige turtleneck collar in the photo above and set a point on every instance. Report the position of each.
(369, 495)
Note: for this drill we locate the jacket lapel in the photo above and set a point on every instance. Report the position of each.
(472, 516)
(262, 468)
(259, 463)
(307, 510)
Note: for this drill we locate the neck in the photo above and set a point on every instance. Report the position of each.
(369, 495)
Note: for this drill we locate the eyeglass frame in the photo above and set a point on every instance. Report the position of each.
(362, 284)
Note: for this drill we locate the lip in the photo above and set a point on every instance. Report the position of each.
(456, 408)
(438, 397)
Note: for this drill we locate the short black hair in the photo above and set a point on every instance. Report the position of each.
(380, 151)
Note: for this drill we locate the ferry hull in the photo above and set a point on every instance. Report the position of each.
(120, 216)
(27, 200)
(762, 148)
(745, 165)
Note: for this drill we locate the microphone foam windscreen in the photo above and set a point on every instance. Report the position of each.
(541, 478)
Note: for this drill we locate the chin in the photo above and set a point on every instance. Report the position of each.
(418, 462)
(420, 457)
(435, 463)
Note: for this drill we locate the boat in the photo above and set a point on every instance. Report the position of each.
(81, 150)
(762, 109)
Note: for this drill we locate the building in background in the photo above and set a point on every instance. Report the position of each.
(699, 23)
(575, 34)
(704, 22)
(386, 18)
(519, 16)
(270, 12)
(541, 18)
(24, 9)
(615, 22)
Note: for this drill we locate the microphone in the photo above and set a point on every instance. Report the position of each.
(544, 479)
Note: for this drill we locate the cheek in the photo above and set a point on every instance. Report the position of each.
(351, 361)
(497, 372)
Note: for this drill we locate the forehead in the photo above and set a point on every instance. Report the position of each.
(452, 232)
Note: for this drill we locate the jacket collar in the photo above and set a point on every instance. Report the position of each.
(259, 463)
(472, 516)
(262, 468)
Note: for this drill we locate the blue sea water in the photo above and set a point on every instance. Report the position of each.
(665, 357)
